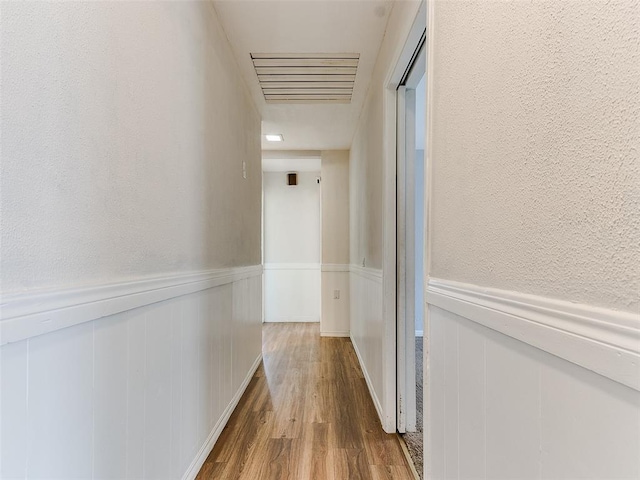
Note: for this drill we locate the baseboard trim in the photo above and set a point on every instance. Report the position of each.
(604, 341)
(196, 465)
(30, 314)
(369, 273)
(372, 392)
(335, 334)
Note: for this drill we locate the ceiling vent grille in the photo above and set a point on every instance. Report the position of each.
(306, 77)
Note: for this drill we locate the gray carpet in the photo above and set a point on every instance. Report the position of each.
(414, 441)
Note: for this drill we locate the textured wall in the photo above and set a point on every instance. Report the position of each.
(335, 242)
(335, 206)
(365, 188)
(536, 179)
(371, 331)
(124, 128)
(366, 160)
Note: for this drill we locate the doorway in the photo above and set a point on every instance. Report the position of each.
(292, 239)
(410, 244)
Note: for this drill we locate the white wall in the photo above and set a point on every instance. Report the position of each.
(122, 146)
(139, 394)
(335, 243)
(366, 191)
(292, 251)
(367, 330)
(365, 187)
(503, 409)
(534, 231)
(128, 325)
(535, 149)
(335, 206)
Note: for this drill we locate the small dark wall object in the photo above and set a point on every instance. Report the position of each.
(292, 178)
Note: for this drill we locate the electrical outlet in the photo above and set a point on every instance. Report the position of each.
(336, 294)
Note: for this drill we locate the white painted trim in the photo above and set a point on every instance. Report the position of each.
(335, 334)
(196, 464)
(402, 361)
(292, 266)
(30, 314)
(369, 273)
(427, 470)
(309, 319)
(401, 59)
(406, 248)
(335, 267)
(372, 392)
(391, 224)
(604, 341)
(389, 347)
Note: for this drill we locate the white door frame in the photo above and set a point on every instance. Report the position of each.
(406, 244)
(389, 354)
(405, 362)
(428, 176)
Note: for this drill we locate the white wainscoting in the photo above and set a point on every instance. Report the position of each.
(335, 311)
(513, 390)
(605, 341)
(292, 292)
(367, 330)
(128, 381)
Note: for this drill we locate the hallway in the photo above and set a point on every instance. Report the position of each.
(306, 414)
(176, 175)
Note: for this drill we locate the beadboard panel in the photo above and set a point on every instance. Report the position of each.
(605, 341)
(292, 292)
(498, 407)
(140, 394)
(335, 311)
(367, 332)
(14, 393)
(24, 315)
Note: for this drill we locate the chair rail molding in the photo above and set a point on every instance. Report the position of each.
(26, 315)
(602, 340)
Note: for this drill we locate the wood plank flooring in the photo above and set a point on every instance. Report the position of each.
(306, 414)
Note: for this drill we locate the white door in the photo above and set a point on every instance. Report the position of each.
(410, 239)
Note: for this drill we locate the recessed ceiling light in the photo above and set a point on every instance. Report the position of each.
(274, 137)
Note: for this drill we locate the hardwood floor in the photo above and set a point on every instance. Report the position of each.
(306, 414)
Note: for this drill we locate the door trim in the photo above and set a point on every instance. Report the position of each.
(389, 351)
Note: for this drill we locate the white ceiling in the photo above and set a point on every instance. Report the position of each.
(306, 26)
